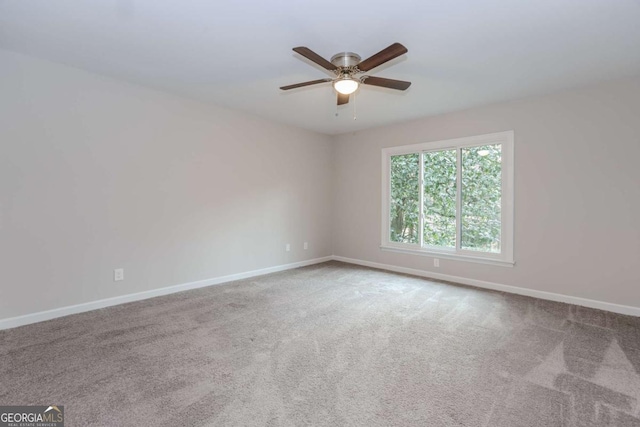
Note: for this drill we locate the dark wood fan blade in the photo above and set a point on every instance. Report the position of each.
(383, 56)
(342, 99)
(312, 56)
(382, 82)
(312, 82)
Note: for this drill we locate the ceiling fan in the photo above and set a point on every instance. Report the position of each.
(348, 69)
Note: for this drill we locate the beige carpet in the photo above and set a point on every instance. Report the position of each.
(333, 345)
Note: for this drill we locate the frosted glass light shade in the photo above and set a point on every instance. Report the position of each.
(346, 86)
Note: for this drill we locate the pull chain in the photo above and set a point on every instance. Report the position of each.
(355, 117)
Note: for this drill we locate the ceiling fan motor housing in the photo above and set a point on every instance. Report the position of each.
(345, 59)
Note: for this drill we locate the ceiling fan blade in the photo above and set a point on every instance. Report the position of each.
(312, 56)
(389, 83)
(383, 56)
(342, 99)
(309, 83)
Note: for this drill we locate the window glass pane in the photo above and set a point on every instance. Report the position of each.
(440, 198)
(481, 198)
(405, 191)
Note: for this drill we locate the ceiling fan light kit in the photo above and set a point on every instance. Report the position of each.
(346, 63)
(348, 67)
(346, 85)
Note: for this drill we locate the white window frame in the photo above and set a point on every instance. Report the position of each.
(505, 257)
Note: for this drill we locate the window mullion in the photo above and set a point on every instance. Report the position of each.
(458, 198)
(421, 201)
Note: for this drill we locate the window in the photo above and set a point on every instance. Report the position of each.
(450, 199)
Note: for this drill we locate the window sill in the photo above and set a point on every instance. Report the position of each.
(452, 256)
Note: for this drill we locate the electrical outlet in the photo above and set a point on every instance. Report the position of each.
(306, 245)
(436, 262)
(118, 274)
(287, 247)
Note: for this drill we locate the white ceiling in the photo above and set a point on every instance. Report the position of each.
(462, 53)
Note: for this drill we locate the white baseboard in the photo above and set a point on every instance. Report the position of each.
(108, 302)
(27, 319)
(601, 305)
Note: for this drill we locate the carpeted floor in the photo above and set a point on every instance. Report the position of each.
(331, 344)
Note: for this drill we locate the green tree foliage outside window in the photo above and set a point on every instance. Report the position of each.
(481, 198)
(480, 216)
(440, 198)
(405, 198)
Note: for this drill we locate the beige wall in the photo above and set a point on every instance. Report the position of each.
(97, 174)
(577, 209)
